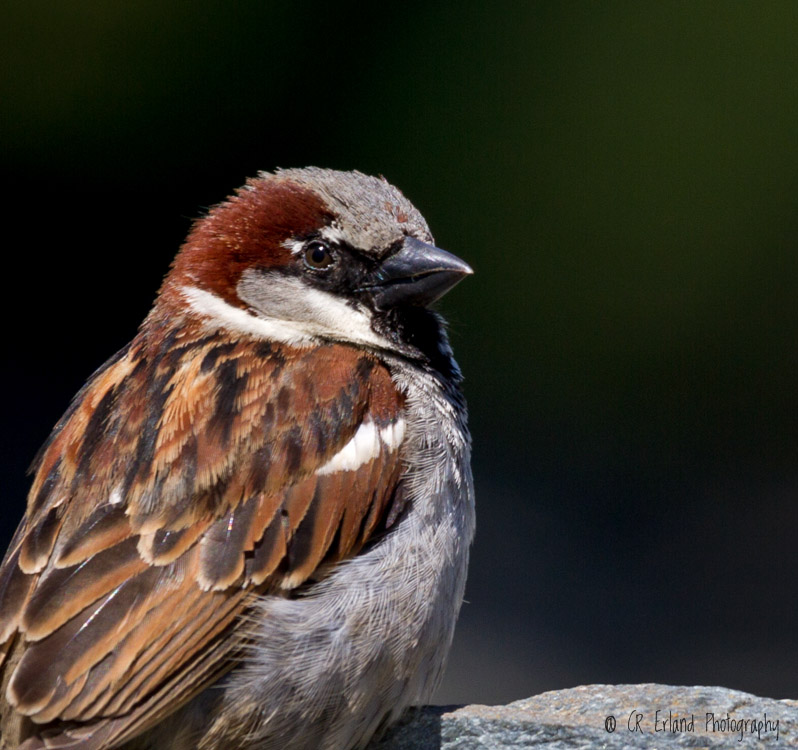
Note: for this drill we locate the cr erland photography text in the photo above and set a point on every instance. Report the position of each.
(667, 721)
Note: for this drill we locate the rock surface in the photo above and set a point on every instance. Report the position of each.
(606, 716)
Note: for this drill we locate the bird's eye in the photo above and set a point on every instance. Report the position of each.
(318, 256)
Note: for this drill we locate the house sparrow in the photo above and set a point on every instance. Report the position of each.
(251, 527)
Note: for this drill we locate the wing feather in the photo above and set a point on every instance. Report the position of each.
(185, 479)
(107, 526)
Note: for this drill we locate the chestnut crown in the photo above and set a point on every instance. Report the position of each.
(312, 254)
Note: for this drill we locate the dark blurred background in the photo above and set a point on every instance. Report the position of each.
(621, 175)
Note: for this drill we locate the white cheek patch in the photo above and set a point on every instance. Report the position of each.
(365, 446)
(287, 310)
(234, 319)
(323, 314)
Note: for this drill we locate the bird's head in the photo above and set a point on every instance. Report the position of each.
(306, 255)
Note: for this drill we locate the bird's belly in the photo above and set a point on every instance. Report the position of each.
(328, 669)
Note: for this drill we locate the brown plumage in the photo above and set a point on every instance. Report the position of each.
(194, 474)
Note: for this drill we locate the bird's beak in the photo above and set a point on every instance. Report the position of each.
(417, 274)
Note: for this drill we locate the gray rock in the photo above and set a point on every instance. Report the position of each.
(640, 716)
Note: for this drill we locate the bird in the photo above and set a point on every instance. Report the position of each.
(251, 527)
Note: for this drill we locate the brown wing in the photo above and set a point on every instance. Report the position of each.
(184, 480)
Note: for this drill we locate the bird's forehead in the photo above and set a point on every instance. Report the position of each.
(370, 213)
